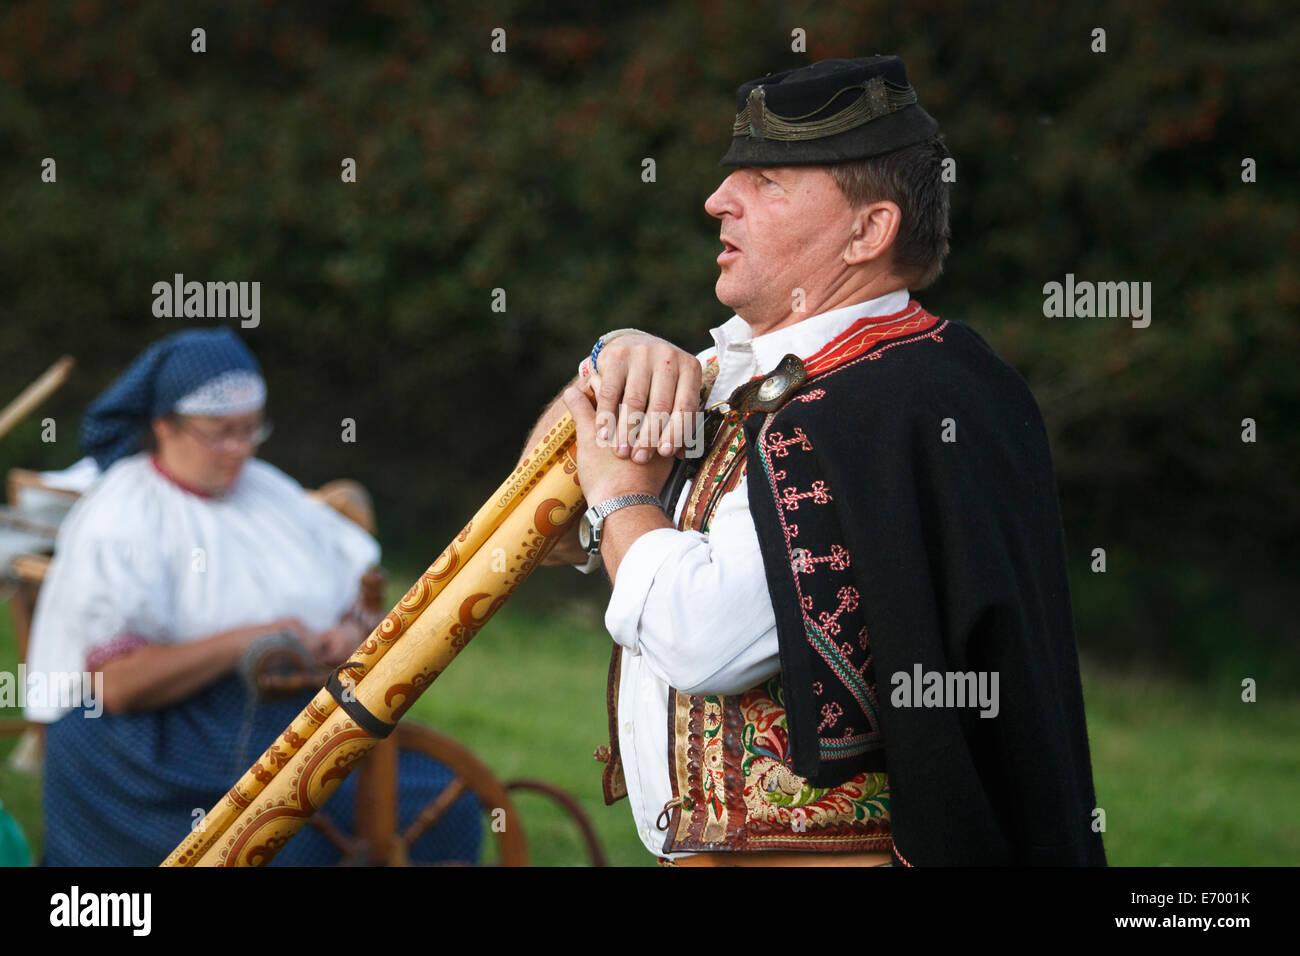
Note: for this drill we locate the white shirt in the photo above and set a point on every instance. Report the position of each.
(692, 611)
(138, 555)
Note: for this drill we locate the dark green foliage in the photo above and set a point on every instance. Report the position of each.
(522, 171)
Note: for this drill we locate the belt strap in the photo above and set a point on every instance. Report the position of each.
(779, 858)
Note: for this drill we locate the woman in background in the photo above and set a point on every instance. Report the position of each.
(175, 561)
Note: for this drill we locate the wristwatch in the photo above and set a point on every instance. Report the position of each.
(594, 518)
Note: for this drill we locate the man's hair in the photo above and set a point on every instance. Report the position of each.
(912, 179)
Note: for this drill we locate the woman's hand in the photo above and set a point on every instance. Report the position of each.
(334, 645)
(282, 625)
(159, 675)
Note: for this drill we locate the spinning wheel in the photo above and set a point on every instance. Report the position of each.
(377, 840)
(276, 668)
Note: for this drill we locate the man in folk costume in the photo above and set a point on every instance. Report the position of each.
(872, 532)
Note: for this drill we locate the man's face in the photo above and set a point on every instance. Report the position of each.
(783, 228)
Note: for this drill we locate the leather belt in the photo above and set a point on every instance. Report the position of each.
(779, 858)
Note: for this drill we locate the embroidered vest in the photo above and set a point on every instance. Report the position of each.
(732, 789)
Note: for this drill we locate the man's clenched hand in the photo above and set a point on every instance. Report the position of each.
(603, 475)
(639, 374)
(648, 380)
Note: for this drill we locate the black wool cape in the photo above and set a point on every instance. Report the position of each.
(927, 537)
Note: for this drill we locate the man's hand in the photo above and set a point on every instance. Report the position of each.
(601, 472)
(638, 373)
(641, 375)
(604, 475)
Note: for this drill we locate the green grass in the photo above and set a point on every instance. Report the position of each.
(1187, 773)
(528, 696)
(1190, 775)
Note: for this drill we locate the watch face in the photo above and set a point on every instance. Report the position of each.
(584, 533)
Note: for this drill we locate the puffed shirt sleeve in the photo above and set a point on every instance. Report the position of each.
(104, 597)
(696, 606)
(346, 552)
(119, 587)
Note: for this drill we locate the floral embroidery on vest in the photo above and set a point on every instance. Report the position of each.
(732, 786)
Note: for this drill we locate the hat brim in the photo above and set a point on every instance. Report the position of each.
(906, 127)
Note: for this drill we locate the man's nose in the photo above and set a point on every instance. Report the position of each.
(724, 199)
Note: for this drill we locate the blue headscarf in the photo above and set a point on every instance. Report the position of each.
(166, 372)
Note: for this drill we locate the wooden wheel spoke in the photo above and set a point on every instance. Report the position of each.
(434, 811)
(574, 810)
(325, 825)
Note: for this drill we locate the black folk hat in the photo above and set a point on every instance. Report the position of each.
(828, 112)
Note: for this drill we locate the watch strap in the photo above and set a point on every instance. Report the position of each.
(609, 506)
(595, 515)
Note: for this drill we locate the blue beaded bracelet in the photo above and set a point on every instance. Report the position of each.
(607, 337)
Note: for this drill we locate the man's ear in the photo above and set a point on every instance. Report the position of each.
(875, 226)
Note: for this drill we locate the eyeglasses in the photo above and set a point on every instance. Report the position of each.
(231, 441)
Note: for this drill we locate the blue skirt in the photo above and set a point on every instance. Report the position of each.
(125, 789)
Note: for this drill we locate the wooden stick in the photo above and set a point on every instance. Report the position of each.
(410, 647)
(394, 683)
(35, 393)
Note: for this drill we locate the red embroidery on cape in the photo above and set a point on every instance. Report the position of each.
(804, 563)
(831, 712)
(864, 334)
(866, 340)
(790, 498)
(777, 443)
(848, 598)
